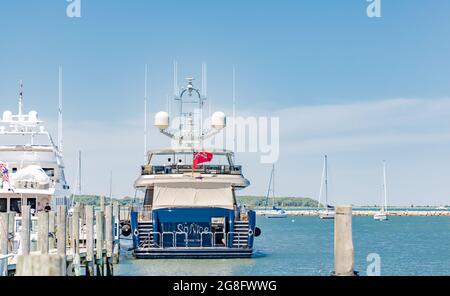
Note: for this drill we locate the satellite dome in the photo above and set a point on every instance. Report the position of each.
(162, 120)
(7, 115)
(218, 120)
(33, 116)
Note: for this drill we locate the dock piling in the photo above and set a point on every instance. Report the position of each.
(11, 231)
(61, 233)
(116, 245)
(75, 243)
(343, 242)
(89, 240)
(52, 229)
(4, 233)
(99, 228)
(43, 232)
(40, 265)
(25, 231)
(109, 236)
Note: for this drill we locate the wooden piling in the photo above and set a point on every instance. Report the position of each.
(89, 240)
(109, 239)
(52, 230)
(99, 228)
(61, 232)
(343, 242)
(75, 245)
(116, 245)
(43, 221)
(102, 204)
(4, 227)
(11, 231)
(25, 232)
(40, 265)
(69, 232)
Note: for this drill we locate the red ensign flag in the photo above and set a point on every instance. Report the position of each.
(200, 157)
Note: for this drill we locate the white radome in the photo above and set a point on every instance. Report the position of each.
(33, 116)
(162, 120)
(218, 120)
(7, 116)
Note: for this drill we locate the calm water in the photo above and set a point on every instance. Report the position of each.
(304, 246)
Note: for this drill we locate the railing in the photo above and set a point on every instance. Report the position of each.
(159, 241)
(180, 169)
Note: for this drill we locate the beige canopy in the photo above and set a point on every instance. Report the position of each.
(189, 195)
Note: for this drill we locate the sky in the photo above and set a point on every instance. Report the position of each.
(359, 89)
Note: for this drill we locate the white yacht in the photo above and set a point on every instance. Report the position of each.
(328, 211)
(32, 168)
(382, 215)
(190, 208)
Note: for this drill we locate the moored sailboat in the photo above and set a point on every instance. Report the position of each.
(274, 212)
(328, 211)
(382, 215)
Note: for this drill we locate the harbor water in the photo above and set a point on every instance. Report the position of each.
(304, 246)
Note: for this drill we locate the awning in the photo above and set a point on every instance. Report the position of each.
(189, 195)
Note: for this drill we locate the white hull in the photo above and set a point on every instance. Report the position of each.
(277, 214)
(380, 216)
(326, 214)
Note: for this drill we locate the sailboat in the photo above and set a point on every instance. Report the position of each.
(382, 214)
(328, 211)
(274, 212)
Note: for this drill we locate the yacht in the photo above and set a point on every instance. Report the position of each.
(328, 211)
(382, 214)
(189, 208)
(31, 166)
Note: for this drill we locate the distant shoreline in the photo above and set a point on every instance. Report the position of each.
(395, 213)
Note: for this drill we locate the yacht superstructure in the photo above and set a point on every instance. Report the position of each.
(190, 208)
(32, 165)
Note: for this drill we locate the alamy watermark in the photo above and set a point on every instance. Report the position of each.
(374, 8)
(73, 8)
(374, 264)
(242, 134)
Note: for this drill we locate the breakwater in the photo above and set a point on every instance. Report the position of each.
(399, 213)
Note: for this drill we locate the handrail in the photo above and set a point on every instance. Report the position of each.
(160, 243)
(201, 238)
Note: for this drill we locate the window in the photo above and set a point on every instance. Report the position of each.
(148, 200)
(15, 205)
(3, 205)
(49, 171)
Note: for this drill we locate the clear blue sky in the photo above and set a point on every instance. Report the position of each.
(288, 54)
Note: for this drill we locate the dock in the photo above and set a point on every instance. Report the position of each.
(82, 243)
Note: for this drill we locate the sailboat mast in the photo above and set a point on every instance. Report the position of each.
(273, 185)
(60, 114)
(384, 186)
(79, 173)
(145, 112)
(21, 100)
(326, 182)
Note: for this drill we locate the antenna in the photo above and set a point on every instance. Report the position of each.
(21, 100)
(326, 182)
(60, 116)
(110, 185)
(175, 79)
(79, 172)
(234, 108)
(145, 113)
